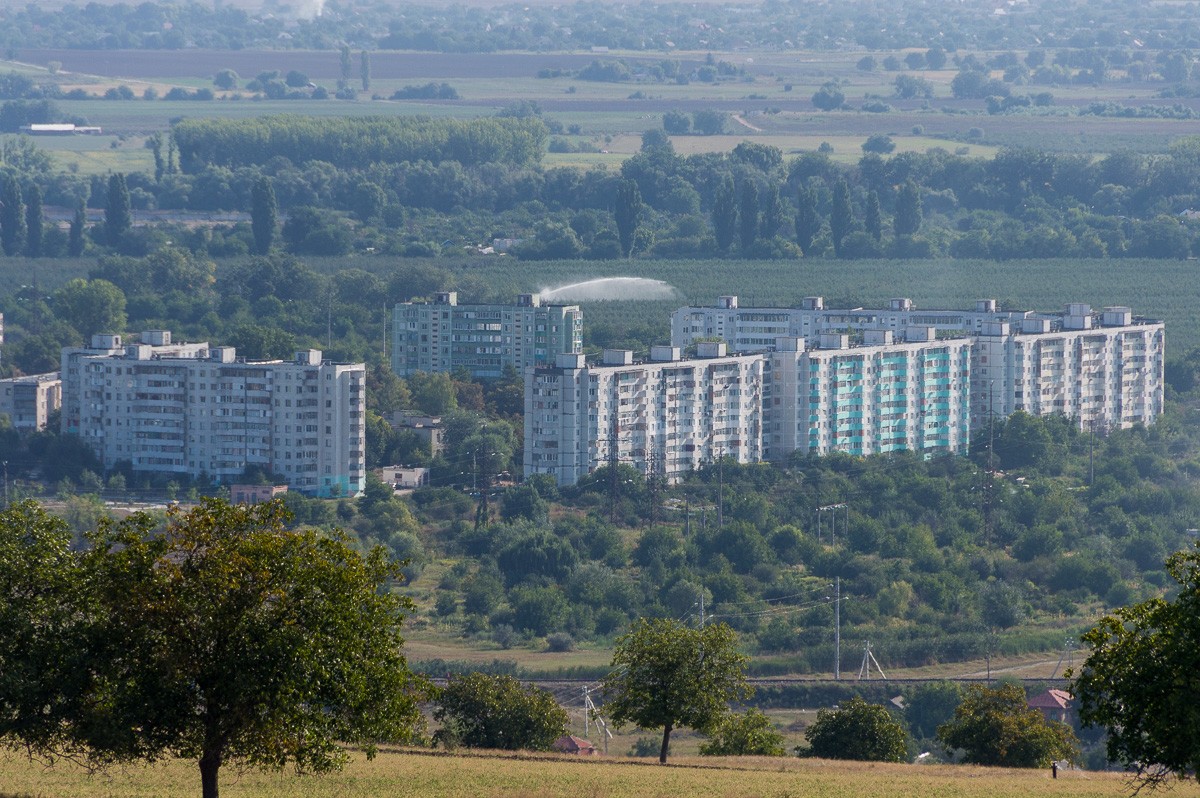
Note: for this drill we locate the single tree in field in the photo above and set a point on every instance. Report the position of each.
(857, 730)
(155, 144)
(666, 675)
(230, 639)
(12, 215)
(724, 215)
(995, 726)
(1138, 682)
(346, 67)
(908, 210)
(808, 219)
(628, 213)
(873, 220)
(264, 214)
(118, 214)
(364, 70)
(748, 215)
(34, 222)
(841, 216)
(483, 711)
(226, 79)
(75, 240)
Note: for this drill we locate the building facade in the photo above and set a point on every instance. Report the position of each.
(207, 413)
(886, 395)
(666, 416)
(483, 339)
(29, 401)
(1103, 369)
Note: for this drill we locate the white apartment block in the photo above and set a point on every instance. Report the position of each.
(886, 395)
(205, 412)
(667, 416)
(29, 401)
(110, 345)
(483, 339)
(1103, 369)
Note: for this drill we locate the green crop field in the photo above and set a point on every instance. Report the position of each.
(454, 776)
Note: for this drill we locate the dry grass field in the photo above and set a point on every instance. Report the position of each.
(454, 776)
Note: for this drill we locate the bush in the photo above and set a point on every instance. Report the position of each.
(751, 734)
(560, 642)
(858, 730)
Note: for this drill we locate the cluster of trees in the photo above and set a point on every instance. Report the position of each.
(657, 27)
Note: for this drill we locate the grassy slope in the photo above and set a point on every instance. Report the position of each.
(440, 776)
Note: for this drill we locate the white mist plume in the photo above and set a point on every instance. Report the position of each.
(613, 288)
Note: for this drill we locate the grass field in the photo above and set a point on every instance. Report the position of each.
(445, 776)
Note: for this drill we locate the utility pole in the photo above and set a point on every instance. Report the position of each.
(991, 474)
(652, 468)
(721, 493)
(701, 607)
(613, 482)
(1091, 451)
(687, 519)
(833, 508)
(837, 628)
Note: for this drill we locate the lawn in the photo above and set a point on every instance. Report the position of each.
(454, 776)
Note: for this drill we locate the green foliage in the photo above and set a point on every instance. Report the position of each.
(1137, 682)
(352, 141)
(994, 726)
(118, 214)
(857, 730)
(478, 710)
(748, 734)
(12, 214)
(221, 637)
(93, 306)
(929, 706)
(667, 675)
(264, 212)
(829, 97)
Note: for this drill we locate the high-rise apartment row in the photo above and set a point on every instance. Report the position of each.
(859, 381)
(195, 410)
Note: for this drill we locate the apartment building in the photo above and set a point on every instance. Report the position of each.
(665, 416)
(29, 401)
(206, 412)
(110, 345)
(1104, 369)
(483, 339)
(885, 395)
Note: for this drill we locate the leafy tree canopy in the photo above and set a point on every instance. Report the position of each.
(995, 726)
(479, 710)
(857, 730)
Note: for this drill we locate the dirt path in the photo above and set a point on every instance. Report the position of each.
(737, 118)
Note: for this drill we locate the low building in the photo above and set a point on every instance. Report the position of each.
(482, 339)
(404, 477)
(1054, 704)
(255, 494)
(29, 401)
(570, 744)
(428, 428)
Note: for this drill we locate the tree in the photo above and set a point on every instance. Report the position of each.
(364, 70)
(668, 675)
(724, 215)
(709, 122)
(874, 216)
(118, 216)
(227, 637)
(483, 711)
(841, 216)
(346, 67)
(264, 214)
(296, 79)
(34, 222)
(748, 215)
(750, 734)
(75, 240)
(829, 97)
(12, 216)
(44, 613)
(879, 142)
(908, 210)
(995, 726)
(677, 123)
(1136, 681)
(628, 213)
(91, 306)
(857, 730)
(808, 220)
(226, 79)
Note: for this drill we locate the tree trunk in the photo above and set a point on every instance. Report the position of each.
(210, 765)
(662, 754)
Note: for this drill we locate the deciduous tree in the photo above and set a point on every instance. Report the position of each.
(748, 734)
(995, 726)
(12, 215)
(808, 220)
(34, 222)
(857, 730)
(724, 215)
(118, 214)
(841, 215)
(628, 212)
(483, 711)
(264, 214)
(667, 675)
(1138, 680)
(908, 210)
